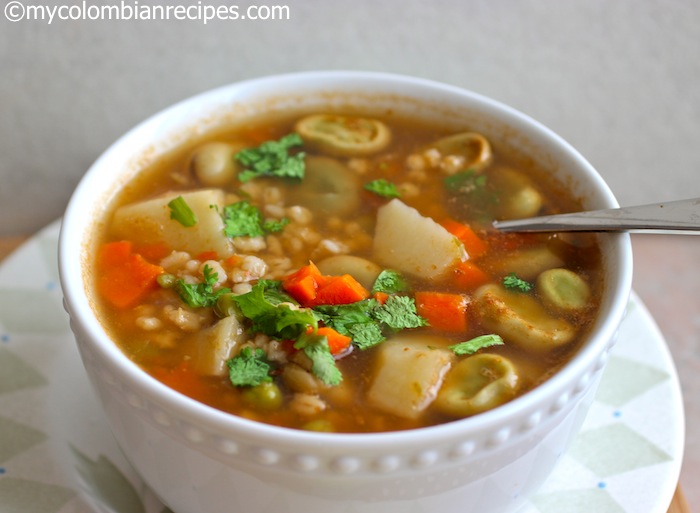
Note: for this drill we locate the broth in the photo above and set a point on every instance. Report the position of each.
(441, 316)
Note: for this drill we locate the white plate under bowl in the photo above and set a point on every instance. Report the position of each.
(57, 454)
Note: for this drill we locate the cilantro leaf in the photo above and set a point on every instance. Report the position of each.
(272, 158)
(272, 315)
(322, 362)
(389, 281)
(382, 187)
(241, 219)
(399, 312)
(342, 317)
(366, 334)
(202, 294)
(249, 368)
(272, 226)
(473, 345)
(512, 282)
(181, 212)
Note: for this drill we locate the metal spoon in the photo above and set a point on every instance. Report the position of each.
(670, 217)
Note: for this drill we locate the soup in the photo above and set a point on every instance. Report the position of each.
(338, 272)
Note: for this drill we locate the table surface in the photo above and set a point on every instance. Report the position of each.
(664, 268)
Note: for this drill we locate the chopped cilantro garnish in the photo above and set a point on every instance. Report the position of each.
(241, 219)
(366, 334)
(354, 320)
(365, 321)
(181, 212)
(384, 188)
(200, 294)
(322, 362)
(512, 282)
(272, 226)
(473, 345)
(399, 312)
(272, 158)
(465, 182)
(249, 368)
(272, 314)
(389, 281)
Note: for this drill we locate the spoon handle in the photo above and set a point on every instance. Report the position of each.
(672, 216)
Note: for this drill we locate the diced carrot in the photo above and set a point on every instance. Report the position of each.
(124, 277)
(444, 311)
(153, 252)
(311, 288)
(207, 255)
(114, 253)
(468, 276)
(233, 261)
(381, 297)
(474, 244)
(303, 284)
(336, 341)
(339, 290)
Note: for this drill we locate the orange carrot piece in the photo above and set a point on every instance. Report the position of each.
(233, 261)
(303, 284)
(207, 255)
(474, 244)
(124, 277)
(153, 252)
(336, 341)
(340, 290)
(468, 276)
(381, 297)
(444, 311)
(114, 253)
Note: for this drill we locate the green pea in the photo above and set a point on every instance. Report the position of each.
(265, 396)
(166, 280)
(563, 290)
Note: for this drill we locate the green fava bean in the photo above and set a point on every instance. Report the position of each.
(477, 384)
(474, 148)
(563, 290)
(266, 396)
(328, 188)
(344, 136)
(214, 164)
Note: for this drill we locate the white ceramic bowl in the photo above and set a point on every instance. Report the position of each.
(201, 460)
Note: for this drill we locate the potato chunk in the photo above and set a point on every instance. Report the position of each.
(409, 242)
(521, 319)
(149, 221)
(410, 371)
(216, 344)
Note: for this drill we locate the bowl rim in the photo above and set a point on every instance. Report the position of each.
(72, 242)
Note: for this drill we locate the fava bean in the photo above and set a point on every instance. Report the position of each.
(473, 148)
(519, 318)
(479, 383)
(563, 290)
(343, 136)
(214, 164)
